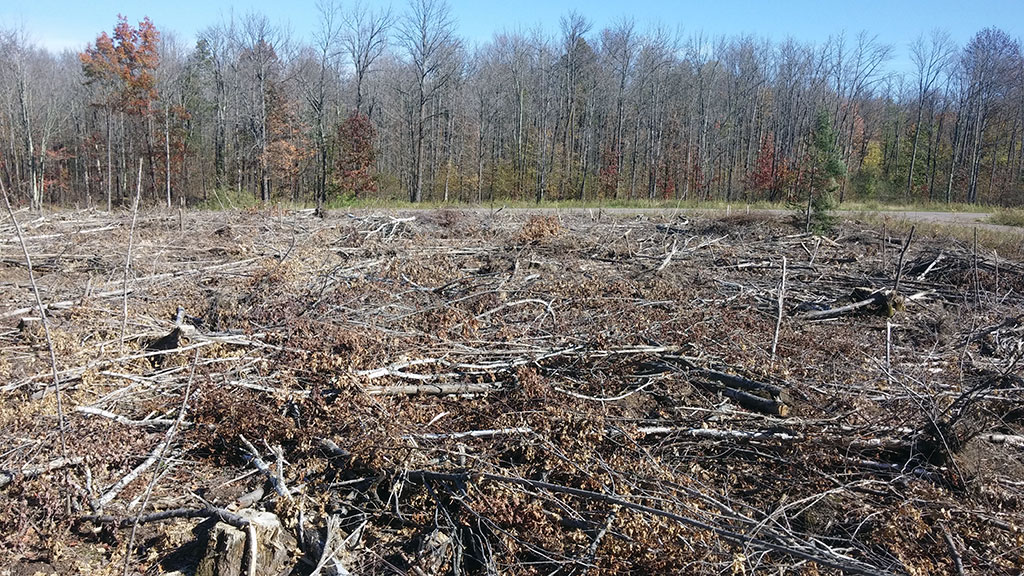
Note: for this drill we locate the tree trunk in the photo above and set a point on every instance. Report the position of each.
(167, 153)
(972, 187)
(110, 164)
(913, 147)
(416, 191)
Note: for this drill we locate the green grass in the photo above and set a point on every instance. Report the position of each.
(228, 199)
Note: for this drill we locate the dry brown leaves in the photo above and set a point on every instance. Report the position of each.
(584, 343)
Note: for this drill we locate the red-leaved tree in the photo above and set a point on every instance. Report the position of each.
(356, 158)
(771, 173)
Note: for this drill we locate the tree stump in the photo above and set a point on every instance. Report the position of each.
(228, 550)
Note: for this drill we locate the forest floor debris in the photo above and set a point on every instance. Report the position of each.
(474, 392)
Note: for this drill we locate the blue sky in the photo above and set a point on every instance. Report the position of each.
(59, 24)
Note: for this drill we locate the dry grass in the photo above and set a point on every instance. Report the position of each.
(1009, 217)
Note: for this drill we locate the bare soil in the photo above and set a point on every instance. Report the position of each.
(476, 392)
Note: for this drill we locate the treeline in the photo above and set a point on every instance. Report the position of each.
(395, 105)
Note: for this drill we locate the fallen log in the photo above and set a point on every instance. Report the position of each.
(880, 302)
(755, 402)
(750, 394)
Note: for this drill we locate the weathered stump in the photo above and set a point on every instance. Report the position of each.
(229, 549)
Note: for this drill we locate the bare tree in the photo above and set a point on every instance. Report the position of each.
(574, 27)
(546, 94)
(513, 53)
(261, 42)
(315, 89)
(427, 32)
(35, 109)
(211, 62)
(620, 43)
(930, 59)
(563, 113)
(988, 64)
(856, 78)
(365, 39)
(170, 86)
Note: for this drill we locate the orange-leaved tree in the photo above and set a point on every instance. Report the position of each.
(124, 65)
(289, 149)
(121, 69)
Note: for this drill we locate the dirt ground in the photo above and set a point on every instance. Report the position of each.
(505, 392)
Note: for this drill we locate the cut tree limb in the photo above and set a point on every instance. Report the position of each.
(878, 300)
(220, 514)
(116, 489)
(442, 389)
(152, 423)
(7, 476)
(276, 480)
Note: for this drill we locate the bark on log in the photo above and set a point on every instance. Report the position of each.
(881, 302)
(757, 403)
(443, 389)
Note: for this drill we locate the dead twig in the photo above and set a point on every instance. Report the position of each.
(668, 256)
(958, 562)
(6, 476)
(276, 480)
(778, 319)
(128, 255)
(168, 441)
(899, 266)
(813, 552)
(61, 425)
(116, 489)
(222, 515)
(147, 423)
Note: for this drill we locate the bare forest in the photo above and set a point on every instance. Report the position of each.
(393, 104)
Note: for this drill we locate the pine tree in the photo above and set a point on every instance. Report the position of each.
(826, 167)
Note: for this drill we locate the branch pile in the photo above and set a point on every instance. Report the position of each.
(508, 393)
